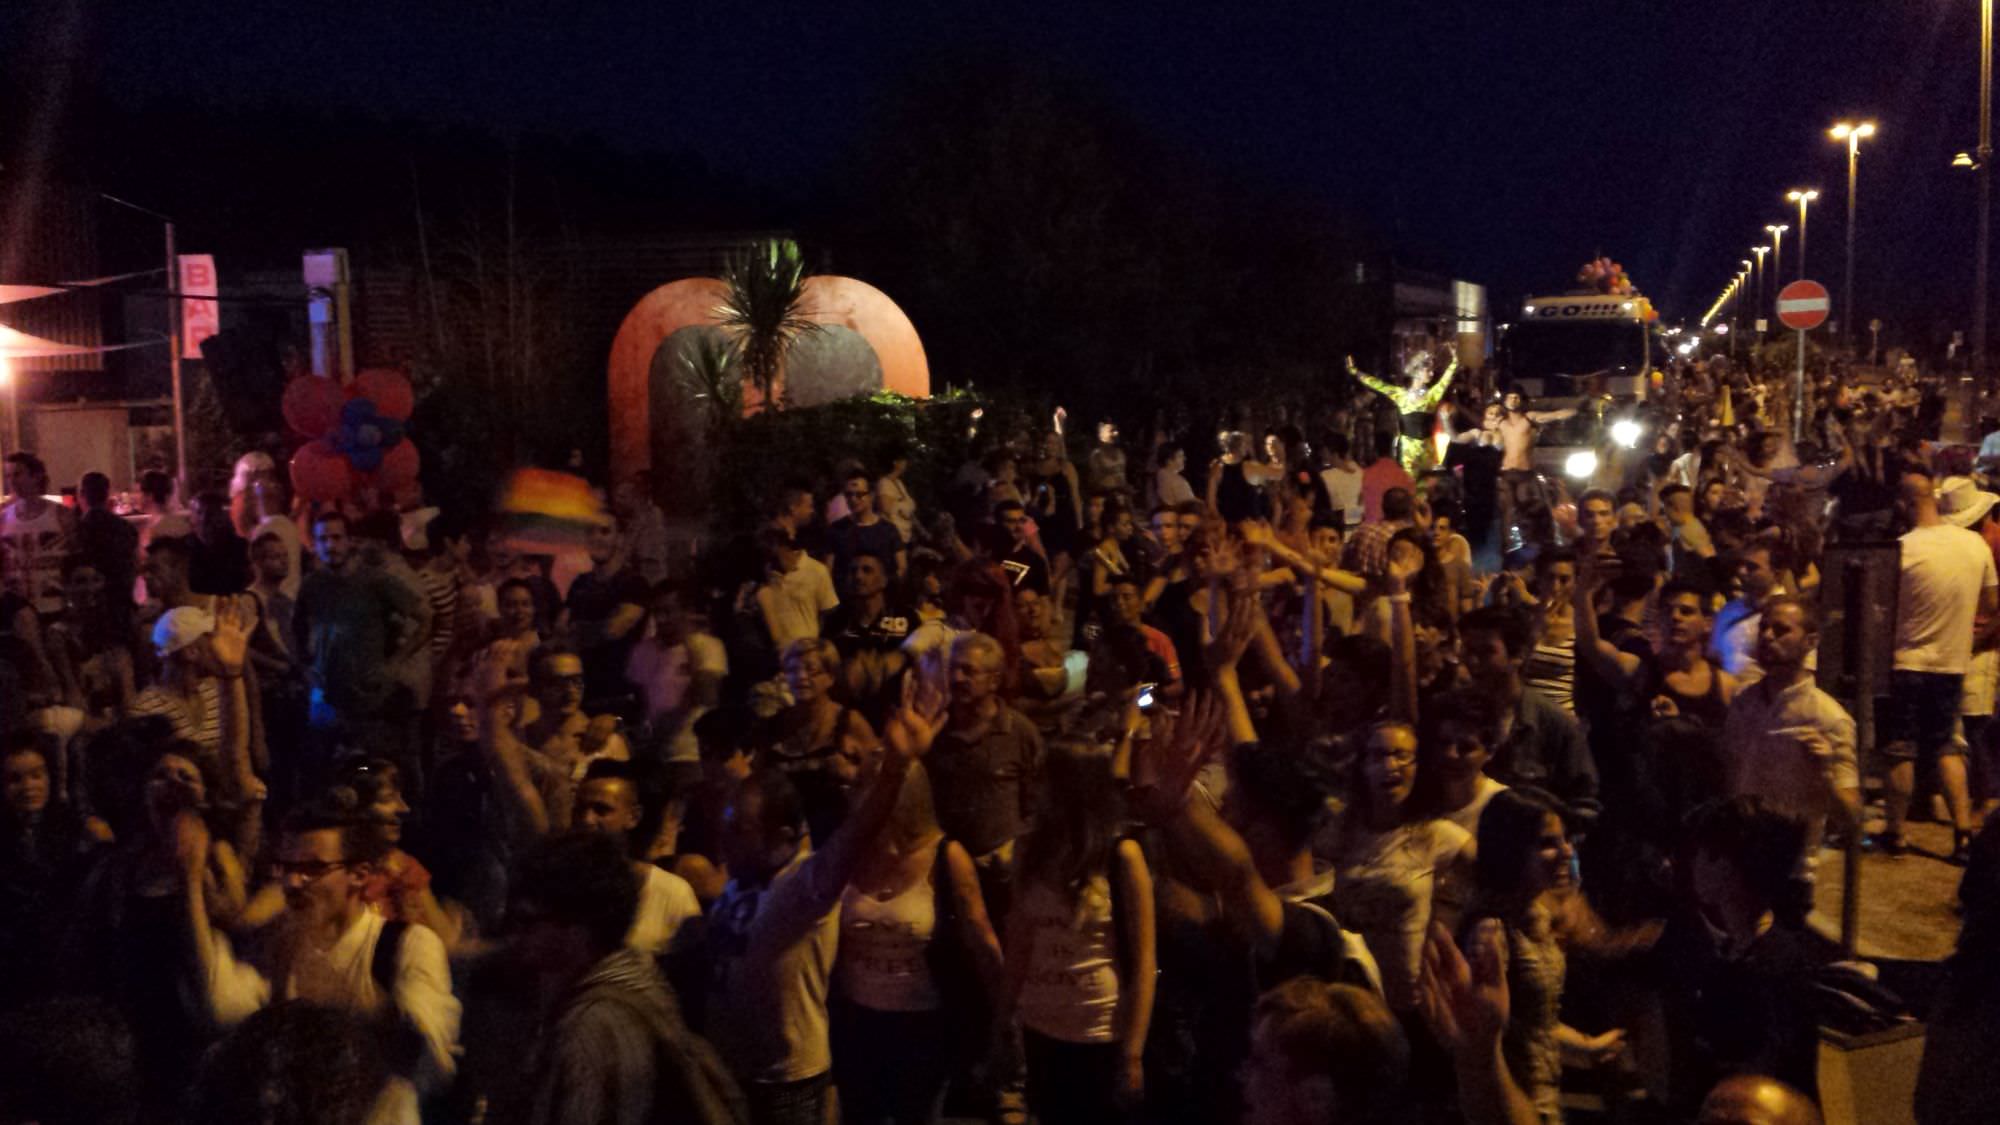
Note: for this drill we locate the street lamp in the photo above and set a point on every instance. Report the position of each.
(1757, 274)
(1983, 164)
(1853, 132)
(1777, 233)
(1804, 198)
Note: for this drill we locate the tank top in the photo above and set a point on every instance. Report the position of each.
(1069, 988)
(884, 948)
(1708, 709)
(1551, 670)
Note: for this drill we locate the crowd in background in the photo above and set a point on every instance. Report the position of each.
(1260, 775)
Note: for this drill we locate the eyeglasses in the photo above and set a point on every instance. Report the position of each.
(313, 869)
(855, 494)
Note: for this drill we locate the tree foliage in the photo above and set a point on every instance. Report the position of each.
(763, 309)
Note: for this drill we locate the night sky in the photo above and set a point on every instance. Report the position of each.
(1505, 142)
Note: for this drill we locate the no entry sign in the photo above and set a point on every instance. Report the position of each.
(1803, 305)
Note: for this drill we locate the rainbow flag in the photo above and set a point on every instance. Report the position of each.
(546, 512)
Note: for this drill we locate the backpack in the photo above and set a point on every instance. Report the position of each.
(691, 1086)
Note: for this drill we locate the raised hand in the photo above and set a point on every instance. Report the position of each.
(917, 720)
(1164, 766)
(1241, 616)
(230, 639)
(1465, 1003)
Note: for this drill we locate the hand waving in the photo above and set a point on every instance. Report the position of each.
(1465, 1003)
(230, 639)
(915, 723)
(1164, 766)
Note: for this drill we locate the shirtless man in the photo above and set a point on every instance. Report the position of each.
(1517, 431)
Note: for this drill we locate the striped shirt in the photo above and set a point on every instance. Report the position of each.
(199, 722)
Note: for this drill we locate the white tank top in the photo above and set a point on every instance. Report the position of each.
(1069, 989)
(882, 962)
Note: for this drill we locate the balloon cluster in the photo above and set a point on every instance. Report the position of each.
(356, 434)
(1605, 276)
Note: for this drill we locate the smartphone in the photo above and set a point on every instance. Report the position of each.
(1147, 699)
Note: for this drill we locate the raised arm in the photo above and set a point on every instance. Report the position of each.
(506, 758)
(1611, 662)
(1386, 390)
(1435, 394)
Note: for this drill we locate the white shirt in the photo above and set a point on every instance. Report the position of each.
(804, 596)
(1343, 491)
(340, 976)
(666, 902)
(1171, 487)
(1944, 570)
(1760, 744)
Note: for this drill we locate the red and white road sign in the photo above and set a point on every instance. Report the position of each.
(1803, 305)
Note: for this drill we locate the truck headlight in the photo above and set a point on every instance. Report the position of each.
(1582, 465)
(1626, 433)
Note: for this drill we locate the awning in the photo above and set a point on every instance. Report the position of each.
(15, 344)
(9, 294)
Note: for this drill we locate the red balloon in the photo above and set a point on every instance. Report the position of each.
(399, 467)
(319, 473)
(312, 404)
(388, 390)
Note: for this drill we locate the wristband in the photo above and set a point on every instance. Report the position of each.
(1398, 599)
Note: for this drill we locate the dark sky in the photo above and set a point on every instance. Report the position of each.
(1507, 141)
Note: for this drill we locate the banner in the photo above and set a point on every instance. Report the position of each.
(201, 313)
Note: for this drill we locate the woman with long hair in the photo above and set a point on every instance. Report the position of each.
(918, 962)
(1525, 876)
(1080, 952)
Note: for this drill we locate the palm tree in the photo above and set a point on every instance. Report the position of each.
(762, 309)
(708, 372)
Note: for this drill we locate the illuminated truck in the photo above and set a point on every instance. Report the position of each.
(1594, 345)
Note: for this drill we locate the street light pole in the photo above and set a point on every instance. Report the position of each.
(173, 336)
(1853, 133)
(1777, 233)
(1983, 165)
(1803, 197)
(1757, 273)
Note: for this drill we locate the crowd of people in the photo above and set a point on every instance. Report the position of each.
(1369, 776)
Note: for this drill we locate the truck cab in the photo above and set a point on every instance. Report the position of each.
(1581, 345)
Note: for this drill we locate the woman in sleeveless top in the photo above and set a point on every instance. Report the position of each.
(807, 737)
(1524, 880)
(917, 965)
(1080, 953)
(1551, 664)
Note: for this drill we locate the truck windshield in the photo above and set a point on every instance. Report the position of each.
(1537, 350)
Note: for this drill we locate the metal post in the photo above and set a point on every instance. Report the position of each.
(1984, 163)
(1803, 204)
(1799, 394)
(1859, 598)
(1847, 282)
(174, 362)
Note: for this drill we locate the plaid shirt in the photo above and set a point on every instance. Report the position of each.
(1367, 550)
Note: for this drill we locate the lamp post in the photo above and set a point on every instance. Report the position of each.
(173, 335)
(1804, 197)
(1853, 132)
(1984, 158)
(1757, 274)
(1777, 233)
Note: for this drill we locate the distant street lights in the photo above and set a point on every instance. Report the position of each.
(1853, 132)
(1804, 197)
